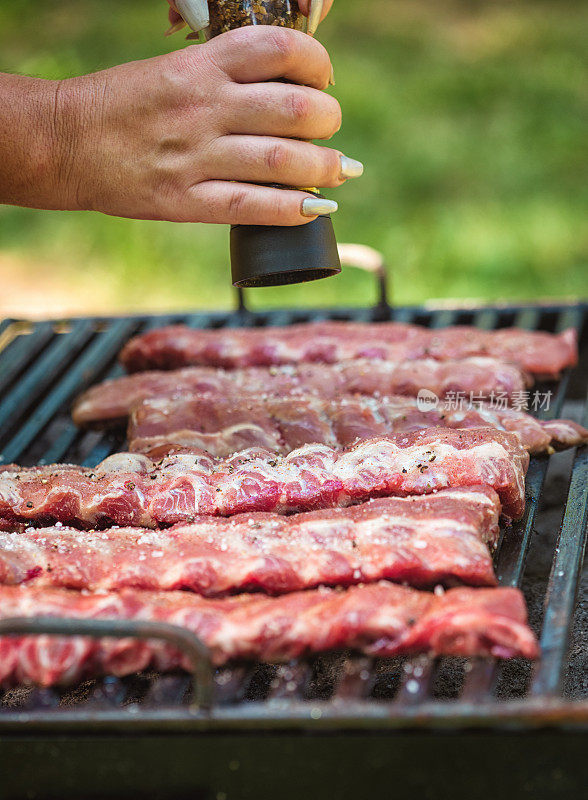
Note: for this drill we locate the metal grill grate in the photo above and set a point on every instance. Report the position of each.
(43, 366)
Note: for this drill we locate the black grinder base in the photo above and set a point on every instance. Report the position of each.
(269, 255)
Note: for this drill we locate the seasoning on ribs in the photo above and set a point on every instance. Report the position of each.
(422, 541)
(542, 354)
(224, 425)
(111, 401)
(128, 489)
(382, 619)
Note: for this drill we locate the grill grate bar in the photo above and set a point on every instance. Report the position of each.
(167, 690)
(280, 318)
(572, 317)
(564, 580)
(403, 314)
(104, 448)
(487, 319)
(110, 692)
(64, 441)
(355, 679)
(230, 684)
(40, 376)
(83, 371)
(480, 679)
(41, 699)
(290, 681)
(193, 321)
(107, 444)
(515, 544)
(152, 324)
(15, 359)
(416, 682)
(441, 319)
(528, 319)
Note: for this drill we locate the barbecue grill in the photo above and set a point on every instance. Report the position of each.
(334, 725)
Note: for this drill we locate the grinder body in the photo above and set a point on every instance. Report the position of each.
(268, 255)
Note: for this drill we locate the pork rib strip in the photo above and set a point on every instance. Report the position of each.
(224, 425)
(422, 541)
(128, 489)
(111, 402)
(542, 354)
(381, 619)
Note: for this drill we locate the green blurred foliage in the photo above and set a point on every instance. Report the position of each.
(470, 118)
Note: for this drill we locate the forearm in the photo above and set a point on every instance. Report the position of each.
(193, 136)
(38, 124)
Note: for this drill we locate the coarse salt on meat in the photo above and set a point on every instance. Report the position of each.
(381, 619)
(439, 538)
(111, 402)
(185, 484)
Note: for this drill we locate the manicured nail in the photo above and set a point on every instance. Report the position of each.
(350, 168)
(315, 13)
(175, 27)
(313, 206)
(195, 12)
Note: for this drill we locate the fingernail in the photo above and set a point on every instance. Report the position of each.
(195, 12)
(313, 206)
(175, 28)
(350, 168)
(315, 12)
(332, 77)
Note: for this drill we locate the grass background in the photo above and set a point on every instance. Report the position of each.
(470, 118)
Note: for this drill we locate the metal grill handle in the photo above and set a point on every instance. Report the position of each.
(361, 257)
(181, 638)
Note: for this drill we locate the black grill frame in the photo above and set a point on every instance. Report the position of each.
(43, 370)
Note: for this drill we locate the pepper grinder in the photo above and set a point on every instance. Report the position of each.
(269, 255)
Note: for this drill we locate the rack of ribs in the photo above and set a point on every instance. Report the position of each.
(225, 425)
(423, 541)
(537, 352)
(111, 402)
(381, 619)
(131, 489)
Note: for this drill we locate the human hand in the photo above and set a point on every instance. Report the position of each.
(187, 136)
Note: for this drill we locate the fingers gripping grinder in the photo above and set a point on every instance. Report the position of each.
(263, 255)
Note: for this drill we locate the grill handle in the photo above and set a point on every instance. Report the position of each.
(183, 639)
(361, 257)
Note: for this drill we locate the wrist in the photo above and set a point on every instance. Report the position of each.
(40, 135)
(70, 121)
